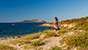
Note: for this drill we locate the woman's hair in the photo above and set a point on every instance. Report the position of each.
(56, 18)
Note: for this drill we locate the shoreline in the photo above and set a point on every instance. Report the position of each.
(11, 37)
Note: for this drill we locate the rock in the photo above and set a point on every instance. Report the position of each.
(68, 25)
(13, 24)
(35, 26)
(45, 25)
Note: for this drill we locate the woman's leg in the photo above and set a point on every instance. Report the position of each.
(56, 31)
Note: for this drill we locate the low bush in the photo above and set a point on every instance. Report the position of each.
(50, 34)
(32, 36)
(79, 39)
(55, 48)
(27, 42)
(25, 39)
(6, 47)
(37, 43)
(62, 31)
(14, 42)
(45, 31)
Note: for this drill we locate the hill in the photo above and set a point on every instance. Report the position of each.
(31, 21)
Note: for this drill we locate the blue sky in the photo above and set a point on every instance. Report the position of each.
(19, 10)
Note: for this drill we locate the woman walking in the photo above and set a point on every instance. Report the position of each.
(55, 25)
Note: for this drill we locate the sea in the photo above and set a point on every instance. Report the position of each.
(20, 29)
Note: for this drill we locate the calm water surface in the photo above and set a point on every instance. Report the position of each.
(8, 30)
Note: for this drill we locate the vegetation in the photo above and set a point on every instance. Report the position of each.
(46, 31)
(14, 42)
(62, 30)
(55, 48)
(50, 34)
(79, 39)
(37, 43)
(32, 36)
(27, 47)
(25, 39)
(5, 47)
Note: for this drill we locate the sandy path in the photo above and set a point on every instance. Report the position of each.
(52, 42)
(55, 41)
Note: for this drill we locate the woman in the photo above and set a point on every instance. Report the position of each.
(55, 25)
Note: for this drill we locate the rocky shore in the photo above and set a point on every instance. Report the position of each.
(45, 25)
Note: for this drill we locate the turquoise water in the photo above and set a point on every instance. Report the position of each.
(8, 30)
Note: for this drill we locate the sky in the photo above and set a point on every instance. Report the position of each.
(19, 10)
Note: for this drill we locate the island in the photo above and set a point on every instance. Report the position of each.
(31, 21)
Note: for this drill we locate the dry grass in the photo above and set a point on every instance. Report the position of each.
(6, 47)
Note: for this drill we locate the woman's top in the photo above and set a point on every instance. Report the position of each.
(56, 25)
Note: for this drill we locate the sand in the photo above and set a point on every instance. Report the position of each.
(52, 41)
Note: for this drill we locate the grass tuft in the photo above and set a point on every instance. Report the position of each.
(79, 39)
(55, 48)
(37, 43)
(50, 34)
(5, 47)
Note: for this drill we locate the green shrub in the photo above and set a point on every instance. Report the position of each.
(37, 43)
(34, 36)
(79, 39)
(21, 41)
(20, 44)
(45, 31)
(31, 36)
(14, 42)
(5, 47)
(55, 48)
(18, 36)
(27, 41)
(51, 34)
(25, 47)
(62, 31)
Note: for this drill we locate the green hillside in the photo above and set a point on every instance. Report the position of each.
(80, 37)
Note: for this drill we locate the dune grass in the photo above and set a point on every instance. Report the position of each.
(55, 48)
(37, 43)
(26, 47)
(50, 34)
(14, 42)
(6, 47)
(78, 39)
(25, 39)
(62, 30)
(46, 31)
(32, 36)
